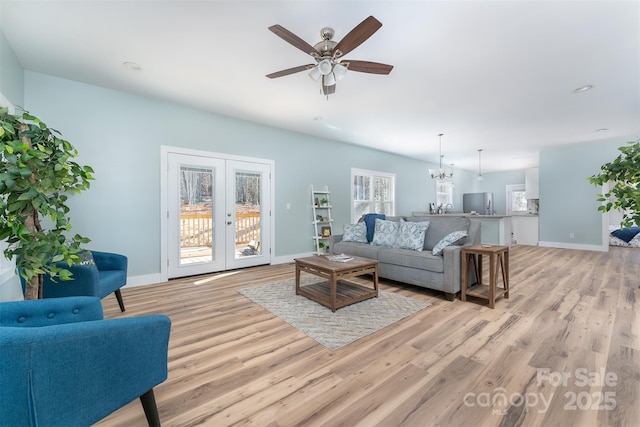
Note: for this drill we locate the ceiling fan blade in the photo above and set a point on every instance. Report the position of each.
(328, 90)
(292, 39)
(369, 67)
(288, 71)
(358, 35)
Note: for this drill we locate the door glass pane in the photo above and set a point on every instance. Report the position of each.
(518, 201)
(196, 215)
(248, 213)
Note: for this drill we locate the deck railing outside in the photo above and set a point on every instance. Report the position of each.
(196, 229)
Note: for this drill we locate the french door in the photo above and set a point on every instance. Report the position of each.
(218, 214)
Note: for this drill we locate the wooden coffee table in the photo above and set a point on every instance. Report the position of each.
(337, 291)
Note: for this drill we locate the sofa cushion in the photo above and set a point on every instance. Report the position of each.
(385, 233)
(370, 221)
(363, 250)
(441, 226)
(411, 235)
(413, 259)
(448, 240)
(355, 233)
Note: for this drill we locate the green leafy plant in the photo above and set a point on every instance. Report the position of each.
(36, 170)
(624, 172)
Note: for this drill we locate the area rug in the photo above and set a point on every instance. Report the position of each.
(332, 330)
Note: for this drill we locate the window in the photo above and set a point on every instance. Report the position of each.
(444, 193)
(372, 192)
(516, 200)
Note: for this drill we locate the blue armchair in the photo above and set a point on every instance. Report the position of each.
(108, 275)
(62, 364)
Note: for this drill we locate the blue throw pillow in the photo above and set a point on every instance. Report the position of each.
(626, 234)
(370, 220)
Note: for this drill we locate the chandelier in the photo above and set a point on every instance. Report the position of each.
(480, 177)
(441, 173)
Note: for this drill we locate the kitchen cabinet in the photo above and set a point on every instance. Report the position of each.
(525, 229)
(531, 186)
(495, 230)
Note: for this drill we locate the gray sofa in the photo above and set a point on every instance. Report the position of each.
(421, 268)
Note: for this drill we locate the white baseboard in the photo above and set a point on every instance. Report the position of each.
(142, 280)
(151, 279)
(289, 258)
(579, 246)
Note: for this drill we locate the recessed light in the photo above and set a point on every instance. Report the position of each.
(317, 118)
(602, 130)
(133, 66)
(583, 88)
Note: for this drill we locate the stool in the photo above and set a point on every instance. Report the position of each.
(497, 255)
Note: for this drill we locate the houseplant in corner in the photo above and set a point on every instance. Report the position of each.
(624, 171)
(35, 173)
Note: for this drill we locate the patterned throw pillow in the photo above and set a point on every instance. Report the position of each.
(447, 240)
(411, 235)
(355, 233)
(385, 233)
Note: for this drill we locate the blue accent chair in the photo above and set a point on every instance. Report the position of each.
(108, 275)
(62, 364)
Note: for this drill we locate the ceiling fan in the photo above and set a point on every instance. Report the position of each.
(329, 66)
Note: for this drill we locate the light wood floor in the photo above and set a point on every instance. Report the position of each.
(572, 314)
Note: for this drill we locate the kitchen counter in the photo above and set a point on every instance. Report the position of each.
(468, 215)
(495, 229)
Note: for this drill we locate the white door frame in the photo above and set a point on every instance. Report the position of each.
(164, 223)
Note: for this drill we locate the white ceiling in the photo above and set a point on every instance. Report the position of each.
(497, 75)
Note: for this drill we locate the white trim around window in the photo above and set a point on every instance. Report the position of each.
(372, 192)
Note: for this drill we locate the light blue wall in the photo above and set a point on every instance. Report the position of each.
(120, 135)
(567, 200)
(496, 183)
(11, 74)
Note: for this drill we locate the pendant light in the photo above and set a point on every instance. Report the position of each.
(441, 173)
(480, 177)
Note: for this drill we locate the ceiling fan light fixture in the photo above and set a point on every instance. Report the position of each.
(315, 74)
(340, 71)
(328, 53)
(329, 79)
(325, 67)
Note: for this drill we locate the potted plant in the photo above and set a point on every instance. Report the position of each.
(324, 202)
(624, 171)
(36, 173)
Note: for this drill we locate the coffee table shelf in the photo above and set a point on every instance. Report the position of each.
(346, 293)
(337, 291)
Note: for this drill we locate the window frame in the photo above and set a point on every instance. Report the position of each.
(510, 189)
(372, 175)
(448, 193)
